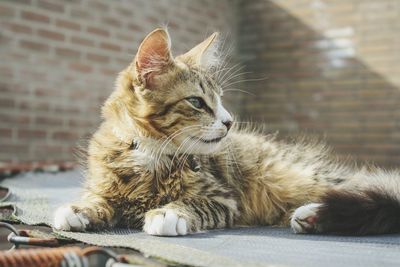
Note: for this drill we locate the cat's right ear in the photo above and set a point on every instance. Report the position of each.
(153, 57)
(205, 54)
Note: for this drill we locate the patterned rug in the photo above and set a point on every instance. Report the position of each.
(35, 196)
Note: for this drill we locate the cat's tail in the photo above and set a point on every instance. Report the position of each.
(370, 205)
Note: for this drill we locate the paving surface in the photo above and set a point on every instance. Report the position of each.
(35, 197)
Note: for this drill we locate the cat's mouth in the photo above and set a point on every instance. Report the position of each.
(209, 141)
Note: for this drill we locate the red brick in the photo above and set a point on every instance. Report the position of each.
(131, 51)
(7, 103)
(11, 148)
(31, 45)
(75, 1)
(52, 6)
(68, 53)
(51, 35)
(5, 40)
(212, 14)
(193, 30)
(26, 133)
(153, 20)
(49, 154)
(33, 74)
(80, 13)
(80, 67)
(174, 26)
(99, 6)
(98, 31)
(49, 121)
(6, 88)
(98, 57)
(123, 61)
(79, 94)
(124, 11)
(70, 110)
(51, 62)
(19, 28)
(110, 72)
(125, 37)
(33, 106)
(6, 11)
(135, 27)
(195, 9)
(6, 71)
(80, 123)
(111, 21)
(14, 119)
(26, 2)
(110, 46)
(53, 148)
(64, 135)
(68, 24)
(33, 16)
(40, 91)
(5, 132)
(82, 41)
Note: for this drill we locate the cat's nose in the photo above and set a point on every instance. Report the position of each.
(228, 124)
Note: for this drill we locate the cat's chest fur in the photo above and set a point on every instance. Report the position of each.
(154, 182)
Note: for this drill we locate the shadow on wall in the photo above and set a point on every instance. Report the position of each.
(316, 80)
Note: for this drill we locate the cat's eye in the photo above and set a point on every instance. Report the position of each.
(196, 102)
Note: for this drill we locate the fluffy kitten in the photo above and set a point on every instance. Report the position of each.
(167, 159)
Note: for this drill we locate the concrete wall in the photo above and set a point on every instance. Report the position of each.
(332, 68)
(59, 60)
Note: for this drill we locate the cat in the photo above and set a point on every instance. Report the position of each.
(169, 159)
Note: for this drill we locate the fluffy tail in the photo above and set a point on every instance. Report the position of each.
(375, 210)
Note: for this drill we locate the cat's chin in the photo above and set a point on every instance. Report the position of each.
(206, 148)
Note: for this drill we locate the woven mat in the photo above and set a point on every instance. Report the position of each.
(36, 195)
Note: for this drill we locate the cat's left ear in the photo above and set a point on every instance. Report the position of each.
(205, 54)
(153, 57)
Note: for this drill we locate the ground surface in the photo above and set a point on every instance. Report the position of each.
(259, 246)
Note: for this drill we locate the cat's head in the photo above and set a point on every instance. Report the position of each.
(171, 97)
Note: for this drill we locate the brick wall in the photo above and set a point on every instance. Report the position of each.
(59, 60)
(332, 67)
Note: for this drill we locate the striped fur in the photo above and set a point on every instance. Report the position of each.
(160, 163)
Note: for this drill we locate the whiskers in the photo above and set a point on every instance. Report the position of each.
(239, 90)
(227, 84)
(160, 151)
(193, 144)
(182, 145)
(189, 146)
(227, 76)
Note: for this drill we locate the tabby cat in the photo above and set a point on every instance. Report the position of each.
(168, 158)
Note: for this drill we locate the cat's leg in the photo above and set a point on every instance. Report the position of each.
(91, 212)
(305, 220)
(189, 216)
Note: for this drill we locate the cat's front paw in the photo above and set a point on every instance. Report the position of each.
(304, 219)
(165, 222)
(66, 218)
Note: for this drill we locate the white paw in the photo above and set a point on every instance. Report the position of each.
(66, 219)
(304, 219)
(167, 224)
